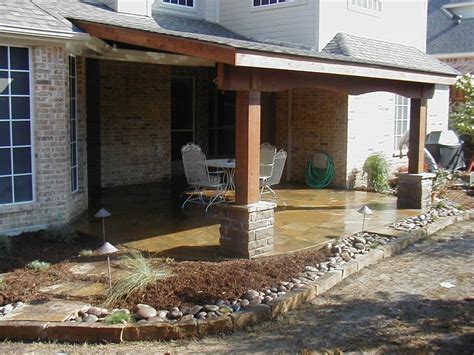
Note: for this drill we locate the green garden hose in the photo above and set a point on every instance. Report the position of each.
(318, 178)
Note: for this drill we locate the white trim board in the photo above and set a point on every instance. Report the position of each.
(248, 59)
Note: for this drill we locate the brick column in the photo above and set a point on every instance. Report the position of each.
(414, 191)
(246, 230)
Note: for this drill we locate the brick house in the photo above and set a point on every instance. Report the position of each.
(103, 93)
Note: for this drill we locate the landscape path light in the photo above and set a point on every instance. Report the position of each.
(107, 249)
(103, 213)
(364, 211)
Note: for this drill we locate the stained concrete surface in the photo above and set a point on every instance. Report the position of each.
(149, 218)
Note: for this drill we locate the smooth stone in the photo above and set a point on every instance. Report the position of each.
(142, 322)
(201, 315)
(144, 312)
(220, 303)
(175, 314)
(360, 246)
(226, 310)
(267, 299)
(211, 308)
(211, 315)
(187, 317)
(155, 320)
(245, 302)
(162, 314)
(236, 307)
(95, 311)
(90, 318)
(195, 309)
(19, 304)
(251, 295)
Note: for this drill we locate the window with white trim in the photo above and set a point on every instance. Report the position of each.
(269, 2)
(365, 6)
(187, 3)
(402, 119)
(73, 122)
(16, 155)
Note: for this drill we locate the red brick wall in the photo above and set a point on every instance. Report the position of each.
(54, 202)
(318, 123)
(135, 123)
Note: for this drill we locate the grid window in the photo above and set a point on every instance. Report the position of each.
(268, 2)
(188, 3)
(402, 118)
(73, 122)
(16, 160)
(374, 6)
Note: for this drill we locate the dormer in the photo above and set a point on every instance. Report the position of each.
(459, 11)
(133, 7)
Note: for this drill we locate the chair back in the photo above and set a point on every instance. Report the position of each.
(194, 162)
(280, 159)
(267, 159)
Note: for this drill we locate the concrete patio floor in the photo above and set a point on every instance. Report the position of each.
(149, 218)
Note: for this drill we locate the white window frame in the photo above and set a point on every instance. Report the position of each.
(401, 115)
(31, 120)
(73, 143)
(185, 6)
(368, 7)
(278, 2)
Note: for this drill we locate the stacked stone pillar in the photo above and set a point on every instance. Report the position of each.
(246, 230)
(414, 191)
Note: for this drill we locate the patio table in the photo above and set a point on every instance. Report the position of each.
(228, 167)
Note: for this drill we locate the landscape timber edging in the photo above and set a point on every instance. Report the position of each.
(250, 316)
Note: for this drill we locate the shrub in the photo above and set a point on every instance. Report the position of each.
(376, 167)
(62, 233)
(139, 273)
(86, 253)
(440, 182)
(38, 265)
(5, 246)
(462, 116)
(118, 317)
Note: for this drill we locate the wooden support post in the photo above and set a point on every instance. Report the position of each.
(247, 147)
(418, 115)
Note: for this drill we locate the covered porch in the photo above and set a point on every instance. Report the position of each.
(148, 218)
(251, 70)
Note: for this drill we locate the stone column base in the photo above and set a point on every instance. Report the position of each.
(246, 231)
(414, 191)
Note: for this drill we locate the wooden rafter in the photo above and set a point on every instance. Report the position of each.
(200, 49)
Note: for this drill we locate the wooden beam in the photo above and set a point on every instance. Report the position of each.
(128, 55)
(418, 116)
(167, 43)
(256, 59)
(239, 78)
(247, 147)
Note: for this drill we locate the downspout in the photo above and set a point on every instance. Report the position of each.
(288, 143)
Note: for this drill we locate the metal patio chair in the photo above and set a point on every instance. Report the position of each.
(267, 161)
(200, 179)
(274, 179)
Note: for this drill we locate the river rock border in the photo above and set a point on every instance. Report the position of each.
(249, 316)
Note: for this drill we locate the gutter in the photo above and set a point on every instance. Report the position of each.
(40, 33)
(453, 55)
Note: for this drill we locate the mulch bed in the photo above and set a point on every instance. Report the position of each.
(192, 282)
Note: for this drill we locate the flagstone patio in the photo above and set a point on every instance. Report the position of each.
(149, 218)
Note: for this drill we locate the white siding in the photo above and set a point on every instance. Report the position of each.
(401, 21)
(293, 22)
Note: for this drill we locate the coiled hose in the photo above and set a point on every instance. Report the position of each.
(318, 178)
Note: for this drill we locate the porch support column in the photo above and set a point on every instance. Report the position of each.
(418, 115)
(247, 225)
(414, 188)
(247, 147)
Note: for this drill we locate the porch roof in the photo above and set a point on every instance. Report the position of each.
(232, 48)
